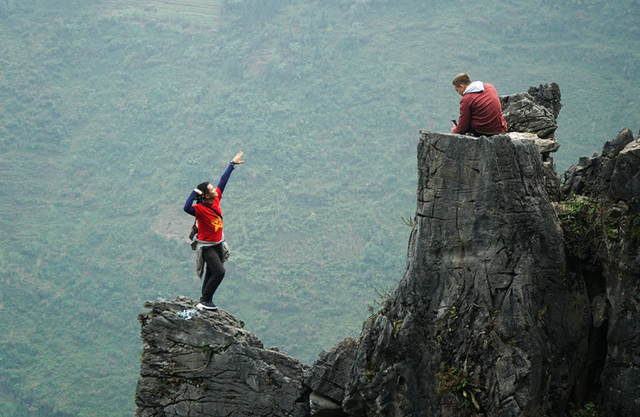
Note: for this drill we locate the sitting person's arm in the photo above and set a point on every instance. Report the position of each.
(465, 119)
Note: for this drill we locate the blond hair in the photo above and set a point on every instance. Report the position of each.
(461, 79)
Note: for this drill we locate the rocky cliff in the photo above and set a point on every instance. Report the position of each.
(520, 298)
(201, 363)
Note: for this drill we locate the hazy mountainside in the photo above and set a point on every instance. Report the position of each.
(111, 111)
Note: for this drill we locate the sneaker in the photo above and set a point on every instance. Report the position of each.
(206, 305)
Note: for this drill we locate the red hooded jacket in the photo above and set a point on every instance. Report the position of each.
(480, 108)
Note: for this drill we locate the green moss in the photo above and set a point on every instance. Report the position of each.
(588, 410)
(586, 224)
(196, 382)
(579, 212)
(372, 370)
(211, 350)
(634, 233)
(396, 327)
(459, 383)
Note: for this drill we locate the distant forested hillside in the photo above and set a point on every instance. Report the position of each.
(111, 111)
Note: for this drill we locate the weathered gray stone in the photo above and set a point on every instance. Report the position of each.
(599, 309)
(609, 264)
(523, 114)
(533, 115)
(322, 406)
(625, 178)
(210, 366)
(547, 96)
(329, 374)
(483, 297)
(545, 146)
(615, 175)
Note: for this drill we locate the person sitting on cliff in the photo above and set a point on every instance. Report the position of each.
(480, 109)
(209, 239)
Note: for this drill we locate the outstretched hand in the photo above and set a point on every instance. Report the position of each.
(236, 159)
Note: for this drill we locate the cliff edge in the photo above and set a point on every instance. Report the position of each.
(520, 298)
(201, 363)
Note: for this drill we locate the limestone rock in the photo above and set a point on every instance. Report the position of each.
(547, 96)
(329, 374)
(523, 114)
(545, 146)
(625, 178)
(603, 192)
(615, 174)
(510, 305)
(209, 365)
(322, 406)
(482, 303)
(599, 309)
(533, 116)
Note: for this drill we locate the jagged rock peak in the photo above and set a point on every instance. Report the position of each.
(524, 114)
(614, 175)
(201, 363)
(533, 115)
(479, 323)
(601, 219)
(547, 96)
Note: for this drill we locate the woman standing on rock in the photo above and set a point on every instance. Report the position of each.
(210, 239)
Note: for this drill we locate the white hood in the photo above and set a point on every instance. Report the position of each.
(474, 87)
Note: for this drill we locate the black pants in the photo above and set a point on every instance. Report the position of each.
(478, 134)
(214, 271)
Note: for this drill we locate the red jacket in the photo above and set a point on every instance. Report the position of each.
(209, 223)
(482, 111)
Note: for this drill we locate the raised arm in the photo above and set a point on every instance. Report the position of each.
(225, 177)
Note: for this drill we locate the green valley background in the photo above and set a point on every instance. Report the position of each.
(112, 111)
